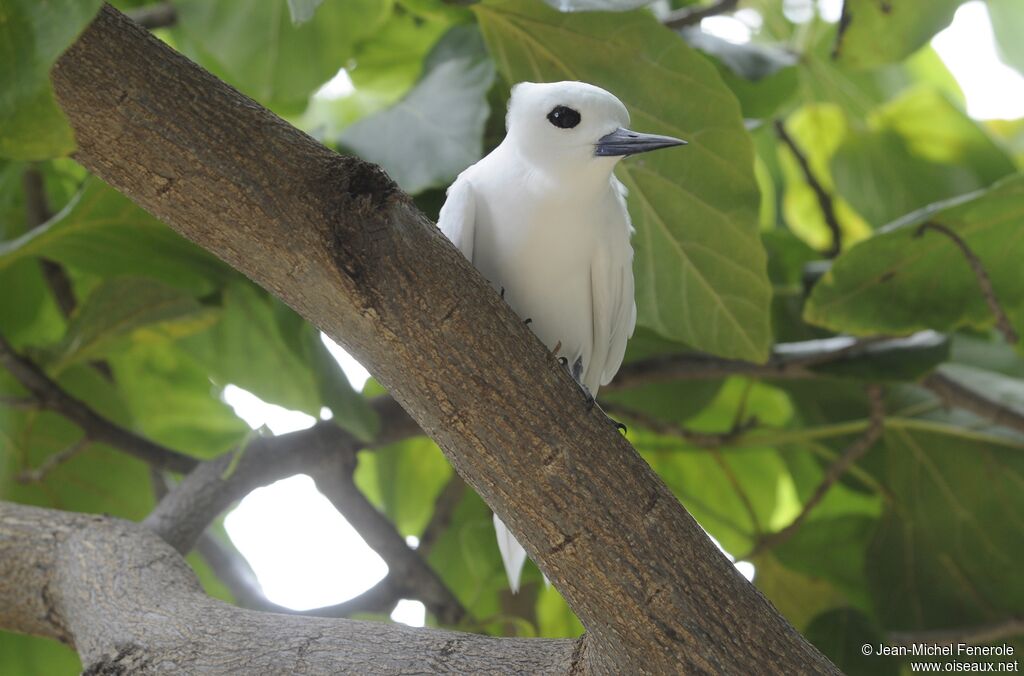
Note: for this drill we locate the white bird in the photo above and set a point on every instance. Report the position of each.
(544, 219)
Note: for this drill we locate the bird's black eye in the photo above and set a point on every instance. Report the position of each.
(564, 117)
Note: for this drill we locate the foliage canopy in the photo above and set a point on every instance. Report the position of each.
(813, 136)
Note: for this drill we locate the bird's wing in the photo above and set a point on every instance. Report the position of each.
(458, 216)
(614, 315)
(611, 278)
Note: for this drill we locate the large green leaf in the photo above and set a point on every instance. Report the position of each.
(408, 477)
(254, 46)
(102, 232)
(904, 279)
(382, 70)
(252, 349)
(32, 656)
(121, 306)
(880, 32)
(435, 131)
(947, 554)
(700, 266)
(172, 401)
(920, 149)
(32, 36)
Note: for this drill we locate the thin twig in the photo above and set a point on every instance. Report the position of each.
(52, 397)
(444, 508)
(691, 16)
(674, 429)
(828, 211)
(416, 577)
(737, 488)
(37, 212)
(989, 633)
(37, 474)
(22, 403)
(984, 281)
(854, 452)
(844, 25)
(952, 393)
(159, 15)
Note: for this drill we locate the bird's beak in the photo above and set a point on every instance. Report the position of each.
(625, 142)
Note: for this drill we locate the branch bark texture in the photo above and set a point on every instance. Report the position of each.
(335, 239)
(131, 605)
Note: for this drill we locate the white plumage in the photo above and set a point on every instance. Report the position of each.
(544, 218)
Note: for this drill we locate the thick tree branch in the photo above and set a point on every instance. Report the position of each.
(97, 428)
(130, 604)
(984, 281)
(336, 240)
(691, 16)
(854, 452)
(828, 210)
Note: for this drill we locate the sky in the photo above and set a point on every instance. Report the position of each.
(306, 555)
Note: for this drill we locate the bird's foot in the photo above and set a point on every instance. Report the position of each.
(527, 321)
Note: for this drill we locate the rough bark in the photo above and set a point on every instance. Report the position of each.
(335, 239)
(83, 579)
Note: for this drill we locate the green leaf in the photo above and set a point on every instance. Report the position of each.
(382, 70)
(32, 36)
(409, 476)
(883, 32)
(253, 45)
(121, 306)
(818, 130)
(34, 656)
(840, 633)
(920, 149)
(700, 266)
(947, 554)
(250, 348)
(104, 233)
(434, 132)
(892, 360)
(96, 479)
(1008, 25)
(891, 284)
(350, 409)
(172, 401)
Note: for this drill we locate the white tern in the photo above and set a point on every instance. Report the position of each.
(544, 219)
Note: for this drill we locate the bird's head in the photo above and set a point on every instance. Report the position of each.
(574, 127)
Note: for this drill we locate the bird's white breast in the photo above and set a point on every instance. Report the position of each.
(537, 239)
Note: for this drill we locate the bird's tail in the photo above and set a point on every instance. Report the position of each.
(512, 554)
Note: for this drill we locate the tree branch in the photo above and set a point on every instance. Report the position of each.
(335, 239)
(989, 633)
(97, 428)
(691, 16)
(130, 604)
(406, 567)
(984, 281)
(854, 452)
(953, 393)
(828, 211)
(444, 509)
(36, 474)
(37, 212)
(674, 429)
